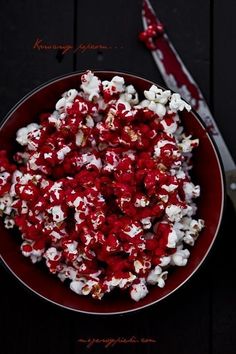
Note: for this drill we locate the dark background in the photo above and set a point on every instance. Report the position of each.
(200, 317)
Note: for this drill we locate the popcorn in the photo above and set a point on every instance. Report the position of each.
(116, 85)
(57, 213)
(6, 204)
(157, 95)
(156, 100)
(138, 291)
(180, 257)
(67, 272)
(22, 134)
(174, 212)
(9, 223)
(187, 144)
(164, 261)
(63, 152)
(172, 239)
(77, 286)
(53, 258)
(71, 95)
(118, 282)
(170, 124)
(90, 85)
(160, 144)
(191, 191)
(133, 230)
(60, 105)
(104, 199)
(157, 108)
(157, 277)
(131, 95)
(147, 224)
(177, 104)
(141, 201)
(79, 138)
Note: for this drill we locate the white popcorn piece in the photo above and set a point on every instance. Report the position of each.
(197, 225)
(157, 277)
(57, 213)
(191, 191)
(32, 161)
(123, 100)
(133, 230)
(72, 247)
(174, 212)
(178, 227)
(131, 95)
(52, 254)
(189, 239)
(63, 152)
(89, 122)
(6, 204)
(9, 223)
(60, 105)
(159, 145)
(77, 286)
(128, 99)
(112, 160)
(88, 287)
(142, 104)
(115, 85)
(180, 257)
(187, 144)
(178, 173)
(140, 266)
(191, 229)
(177, 104)
(91, 160)
(155, 89)
(22, 135)
(79, 138)
(170, 187)
(56, 119)
(16, 176)
(172, 239)
(160, 109)
(147, 224)
(91, 85)
(141, 202)
(169, 129)
(67, 272)
(165, 261)
(85, 287)
(120, 282)
(71, 95)
(3, 177)
(157, 95)
(138, 291)
(150, 95)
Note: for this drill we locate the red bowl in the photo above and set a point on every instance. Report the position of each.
(207, 172)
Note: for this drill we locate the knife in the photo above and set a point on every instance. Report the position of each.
(178, 79)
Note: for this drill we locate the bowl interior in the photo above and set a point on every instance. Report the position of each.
(207, 172)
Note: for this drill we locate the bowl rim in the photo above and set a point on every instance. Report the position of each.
(222, 177)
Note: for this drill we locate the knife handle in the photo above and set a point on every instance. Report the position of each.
(231, 185)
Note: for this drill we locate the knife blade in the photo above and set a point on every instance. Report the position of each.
(178, 79)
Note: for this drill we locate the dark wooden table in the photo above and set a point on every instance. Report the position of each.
(200, 317)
